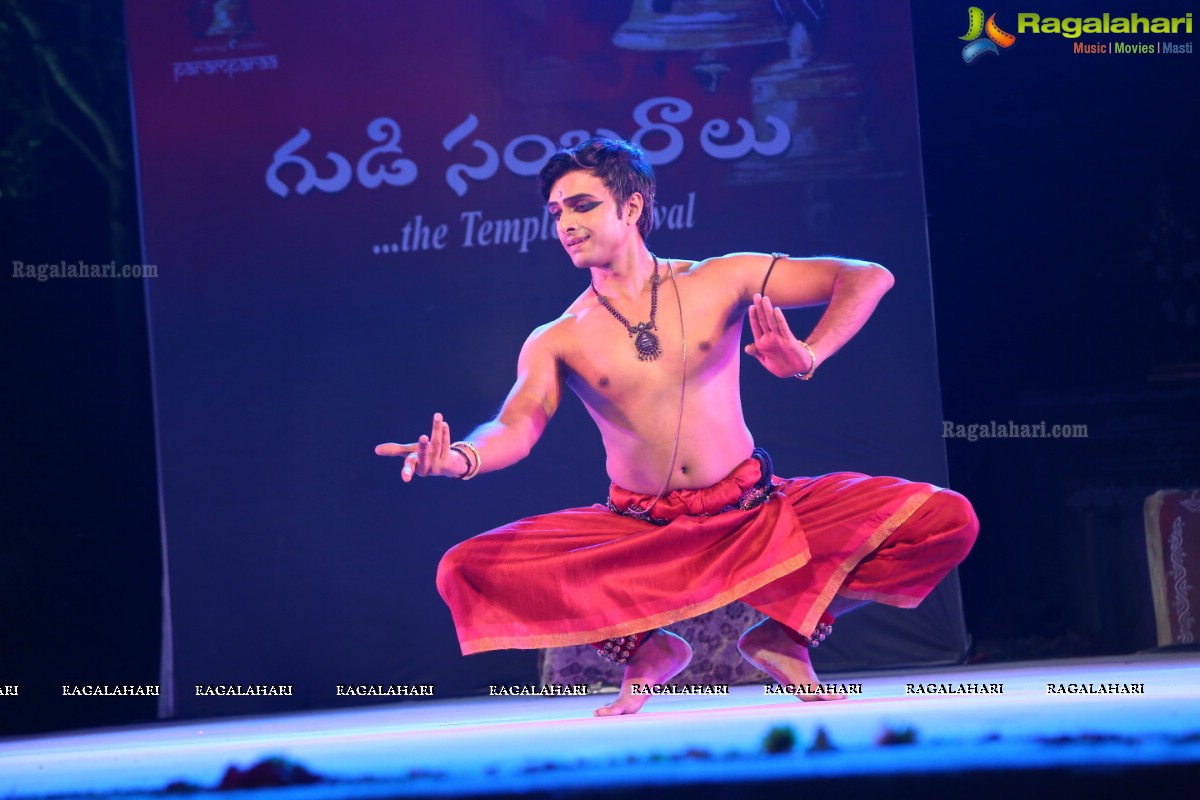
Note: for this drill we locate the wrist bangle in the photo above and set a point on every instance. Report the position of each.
(462, 451)
(804, 376)
(473, 465)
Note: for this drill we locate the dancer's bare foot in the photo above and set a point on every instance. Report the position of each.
(662, 657)
(768, 647)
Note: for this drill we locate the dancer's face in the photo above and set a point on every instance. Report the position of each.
(592, 228)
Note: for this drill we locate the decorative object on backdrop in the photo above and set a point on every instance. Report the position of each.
(818, 102)
(704, 26)
(821, 104)
(1173, 550)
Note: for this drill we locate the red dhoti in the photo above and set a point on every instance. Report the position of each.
(586, 574)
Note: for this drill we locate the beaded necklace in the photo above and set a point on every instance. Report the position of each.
(645, 342)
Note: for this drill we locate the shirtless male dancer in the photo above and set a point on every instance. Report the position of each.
(694, 520)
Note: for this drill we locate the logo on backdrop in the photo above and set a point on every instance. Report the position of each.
(994, 37)
(226, 37)
(225, 22)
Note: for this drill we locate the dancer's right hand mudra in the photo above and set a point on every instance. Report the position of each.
(429, 455)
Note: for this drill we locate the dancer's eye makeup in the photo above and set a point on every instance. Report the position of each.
(577, 204)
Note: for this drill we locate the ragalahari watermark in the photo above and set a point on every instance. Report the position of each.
(82, 269)
(1012, 430)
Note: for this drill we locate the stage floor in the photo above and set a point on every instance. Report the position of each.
(512, 745)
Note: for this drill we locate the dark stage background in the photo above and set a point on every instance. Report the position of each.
(1058, 187)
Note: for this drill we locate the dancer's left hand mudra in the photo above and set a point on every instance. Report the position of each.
(780, 352)
(429, 456)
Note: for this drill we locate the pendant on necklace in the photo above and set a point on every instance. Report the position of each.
(644, 342)
(648, 348)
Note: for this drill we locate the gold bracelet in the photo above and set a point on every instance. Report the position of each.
(804, 376)
(472, 466)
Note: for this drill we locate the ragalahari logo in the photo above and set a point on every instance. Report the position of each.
(976, 27)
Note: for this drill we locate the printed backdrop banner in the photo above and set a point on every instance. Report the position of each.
(340, 198)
